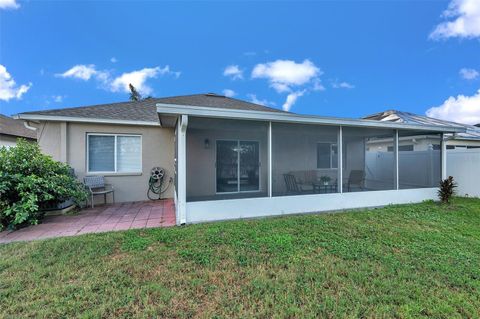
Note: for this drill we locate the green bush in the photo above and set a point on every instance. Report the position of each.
(30, 181)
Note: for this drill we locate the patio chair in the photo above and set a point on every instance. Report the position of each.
(356, 178)
(293, 187)
(95, 185)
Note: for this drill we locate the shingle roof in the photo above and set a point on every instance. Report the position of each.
(146, 110)
(9, 126)
(472, 131)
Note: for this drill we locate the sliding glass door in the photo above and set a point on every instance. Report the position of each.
(237, 166)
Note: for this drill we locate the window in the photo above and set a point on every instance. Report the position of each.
(327, 155)
(114, 153)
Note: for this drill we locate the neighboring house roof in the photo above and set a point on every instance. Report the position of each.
(146, 110)
(472, 132)
(9, 126)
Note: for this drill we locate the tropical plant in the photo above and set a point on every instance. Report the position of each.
(325, 179)
(446, 189)
(30, 181)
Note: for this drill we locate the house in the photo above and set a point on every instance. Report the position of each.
(232, 159)
(463, 148)
(470, 139)
(11, 130)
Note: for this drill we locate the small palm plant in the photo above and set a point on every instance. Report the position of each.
(325, 179)
(447, 189)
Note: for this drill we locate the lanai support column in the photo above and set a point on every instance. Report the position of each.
(182, 170)
(395, 154)
(270, 159)
(444, 156)
(340, 160)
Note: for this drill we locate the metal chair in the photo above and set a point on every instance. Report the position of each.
(291, 184)
(356, 177)
(96, 185)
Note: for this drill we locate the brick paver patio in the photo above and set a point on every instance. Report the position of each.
(99, 219)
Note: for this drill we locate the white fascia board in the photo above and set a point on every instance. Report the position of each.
(35, 117)
(201, 111)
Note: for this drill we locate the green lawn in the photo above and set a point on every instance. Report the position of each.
(400, 261)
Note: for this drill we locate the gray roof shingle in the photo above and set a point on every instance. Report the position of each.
(9, 126)
(146, 110)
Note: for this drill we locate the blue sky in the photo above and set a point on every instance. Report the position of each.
(332, 58)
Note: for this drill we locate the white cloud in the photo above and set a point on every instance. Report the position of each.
(342, 85)
(280, 87)
(461, 109)
(291, 99)
(284, 74)
(229, 93)
(9, 4)
(318, 86)
(463, 20)
(120, 83)
(57, 98)
(469, 74)
(8, 88)
(137, 79)
(234, 72)
(113, 60)
(253, 98)
(82, 72)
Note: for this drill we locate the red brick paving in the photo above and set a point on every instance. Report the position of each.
(99, 219)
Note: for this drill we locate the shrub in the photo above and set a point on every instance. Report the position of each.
(30, 181)
(447, 189)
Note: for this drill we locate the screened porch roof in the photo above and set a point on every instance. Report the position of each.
(168, 114)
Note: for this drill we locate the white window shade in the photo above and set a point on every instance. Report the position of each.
(114, 153)
(129, 158)
(101, 153)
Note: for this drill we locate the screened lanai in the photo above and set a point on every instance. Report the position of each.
(235, 164)
(229, 159)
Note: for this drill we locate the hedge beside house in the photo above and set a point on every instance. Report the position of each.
(29, 181)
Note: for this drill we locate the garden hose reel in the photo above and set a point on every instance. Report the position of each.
(157, 183)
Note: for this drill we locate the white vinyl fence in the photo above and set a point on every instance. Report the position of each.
(417, 169)
(464, 166)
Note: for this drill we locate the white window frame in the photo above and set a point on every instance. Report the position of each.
(332, 144)
(115, 153)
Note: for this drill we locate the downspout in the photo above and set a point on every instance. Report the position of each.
(28, 126)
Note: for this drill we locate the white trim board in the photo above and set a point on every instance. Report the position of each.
(211, 112)
(34, 117)
(284, 205)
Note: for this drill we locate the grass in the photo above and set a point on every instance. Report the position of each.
(405, 261)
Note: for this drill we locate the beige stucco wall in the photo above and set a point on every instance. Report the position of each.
(48, 137)
(7, 140)
(157, 150)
